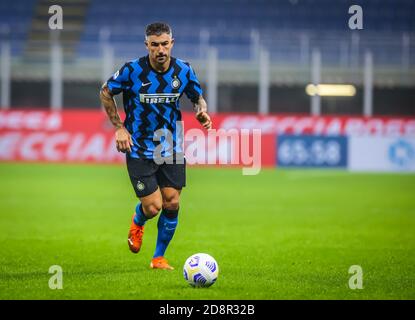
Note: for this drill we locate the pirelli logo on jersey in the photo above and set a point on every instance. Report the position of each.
(159, 97)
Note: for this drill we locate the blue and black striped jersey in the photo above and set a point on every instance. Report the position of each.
(151, 103)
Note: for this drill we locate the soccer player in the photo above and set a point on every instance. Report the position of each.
(151, 87)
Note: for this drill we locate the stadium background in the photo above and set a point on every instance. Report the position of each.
(255, 60)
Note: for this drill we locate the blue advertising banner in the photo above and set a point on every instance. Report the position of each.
(312, 151)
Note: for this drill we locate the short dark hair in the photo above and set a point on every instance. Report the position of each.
(158, 28)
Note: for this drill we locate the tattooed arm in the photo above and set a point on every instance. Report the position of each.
(201, 113)
(122, 136)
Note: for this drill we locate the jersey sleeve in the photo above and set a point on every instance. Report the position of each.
(193, 89)
(120, 80)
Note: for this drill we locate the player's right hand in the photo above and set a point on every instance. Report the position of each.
(123, 140)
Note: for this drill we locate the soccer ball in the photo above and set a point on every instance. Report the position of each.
(200, 270)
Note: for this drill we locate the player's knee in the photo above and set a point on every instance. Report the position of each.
(171, 203)
(152, 210)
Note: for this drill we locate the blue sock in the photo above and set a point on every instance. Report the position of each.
(139, 218)
(166, 226)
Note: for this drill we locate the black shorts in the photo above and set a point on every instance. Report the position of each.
(146, 175)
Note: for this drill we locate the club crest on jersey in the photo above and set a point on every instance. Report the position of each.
(175, 83)
(159, 97)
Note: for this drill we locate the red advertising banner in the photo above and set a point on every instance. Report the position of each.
(319, 125)
(68, 136)
(88, 136)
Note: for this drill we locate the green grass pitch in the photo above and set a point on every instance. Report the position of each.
(283, 234)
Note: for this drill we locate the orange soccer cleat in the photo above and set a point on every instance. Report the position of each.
(160, 263)
(135, 237)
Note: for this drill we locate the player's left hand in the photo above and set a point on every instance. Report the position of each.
(204, 119)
